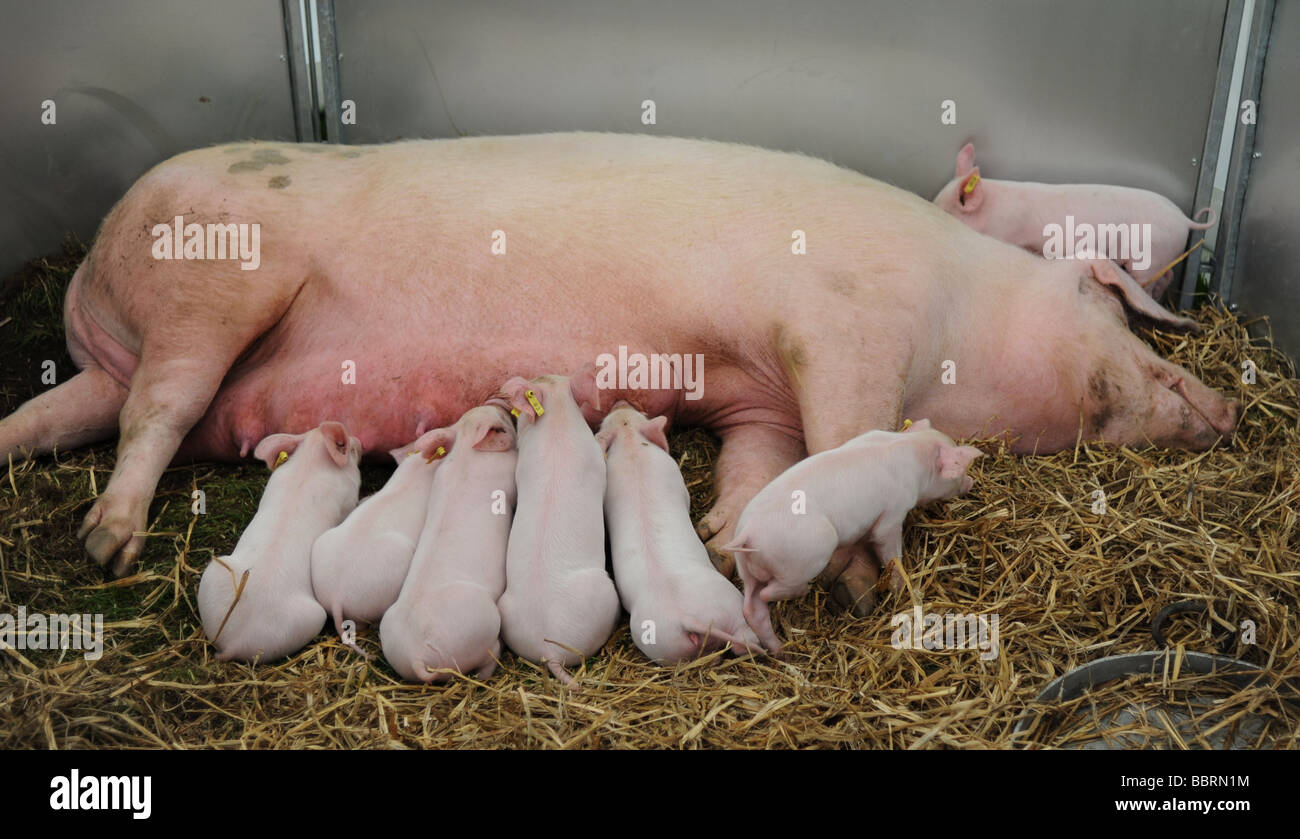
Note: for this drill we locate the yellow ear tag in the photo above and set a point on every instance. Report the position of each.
(437, 453)
(970, 183)
(281, 458)
(514, 412)
(531, 396)
(907, 423)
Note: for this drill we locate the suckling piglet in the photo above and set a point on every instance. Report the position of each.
(357, 568)
(860, 491)
(445, 619)
(258, 602)
(681, 607)
(559, 605)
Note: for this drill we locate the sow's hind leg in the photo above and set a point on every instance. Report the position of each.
(187, 351)
(82, 410)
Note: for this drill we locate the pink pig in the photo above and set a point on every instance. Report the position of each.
(559, 605)
(1017, 212)
(445, 619)
(681, 607)
(258, 602)
(357, 568)
(860, 491)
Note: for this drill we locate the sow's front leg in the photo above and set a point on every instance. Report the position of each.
(752, 456)
(837, 402)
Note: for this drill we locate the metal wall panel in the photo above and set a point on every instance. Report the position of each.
(1267, 279)
(1108, 91)
(134, 82)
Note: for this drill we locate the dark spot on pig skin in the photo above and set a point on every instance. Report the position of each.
(1103, 394)
(843, 283)
(261, 159)
(278, 182)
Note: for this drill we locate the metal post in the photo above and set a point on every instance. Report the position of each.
(1223, 280)
(1213, 138)
(302, 86)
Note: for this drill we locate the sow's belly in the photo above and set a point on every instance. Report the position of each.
(390, 365)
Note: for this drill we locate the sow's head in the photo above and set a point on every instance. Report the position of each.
(1123, 391)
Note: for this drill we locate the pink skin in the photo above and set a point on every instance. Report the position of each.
(357, 568)
(1017, 211)
(680, 606)
(559, 605)
(275, 613)
(859, 493)
(660, 244)
(445, 620)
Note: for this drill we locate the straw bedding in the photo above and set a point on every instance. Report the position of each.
(1068, 585)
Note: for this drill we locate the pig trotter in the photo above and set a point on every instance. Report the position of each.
(851, 577)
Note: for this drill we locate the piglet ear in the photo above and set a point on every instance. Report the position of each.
(605, 437)
(970, 194)
(427, 445)
(585, 391)
(918, 425)
(1136, 300)
(336, 440)
(268, 451)
(965, 160)
(495, 436)
(653, 430)
(954, 460)
(513, 394)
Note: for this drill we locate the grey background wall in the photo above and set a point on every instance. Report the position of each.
(1109, 91)
(1106, 91)
(134, 82)
(1268, 251)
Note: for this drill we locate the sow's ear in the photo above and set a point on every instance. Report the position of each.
(1136, 300)
(268, 451)
(954, 460)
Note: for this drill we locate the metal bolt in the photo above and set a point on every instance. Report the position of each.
(1232, 307)
(1255, 156)
(282, 58)
(1193, 161)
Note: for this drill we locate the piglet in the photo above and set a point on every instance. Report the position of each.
(860, 491)
(1017, 212)
(681, 607)
(445, 620)
(559, 605)
(258, 602)
(357, 568)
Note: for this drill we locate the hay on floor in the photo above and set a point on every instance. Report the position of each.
(1069, 585)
